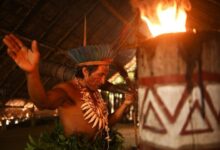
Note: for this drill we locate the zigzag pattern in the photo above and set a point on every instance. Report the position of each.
(173, 117)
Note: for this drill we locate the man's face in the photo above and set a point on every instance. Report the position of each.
(98, 77)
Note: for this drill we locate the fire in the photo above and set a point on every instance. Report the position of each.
(163, 16)
(170, 19)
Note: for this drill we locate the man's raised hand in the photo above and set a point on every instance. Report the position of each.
(25, 58)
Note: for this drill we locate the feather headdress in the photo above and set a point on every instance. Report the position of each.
(103, 54)
(92, 55)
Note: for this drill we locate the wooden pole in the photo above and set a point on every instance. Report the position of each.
(84, 33)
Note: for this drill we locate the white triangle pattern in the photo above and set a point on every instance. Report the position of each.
(171, 96)
(152, 120)
(196, 121)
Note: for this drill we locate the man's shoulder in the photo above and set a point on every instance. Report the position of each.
(69, 88)
(68, 85)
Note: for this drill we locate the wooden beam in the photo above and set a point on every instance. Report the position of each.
(75, 24)
(26, 17)
(26, 40)
(20, 24)
(66, 35)
(59, 42)
(61, 13)
(47, 46)
(112, 10)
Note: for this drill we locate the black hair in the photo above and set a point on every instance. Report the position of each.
(79, 73)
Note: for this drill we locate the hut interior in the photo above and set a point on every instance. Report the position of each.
(58, 26)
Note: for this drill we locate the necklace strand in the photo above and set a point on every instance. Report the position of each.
(94, 112)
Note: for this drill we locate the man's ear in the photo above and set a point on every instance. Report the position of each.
(85, 72)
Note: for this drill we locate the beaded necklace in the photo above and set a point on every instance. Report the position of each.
(94, 109)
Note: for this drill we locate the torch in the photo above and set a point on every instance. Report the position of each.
(178, 81)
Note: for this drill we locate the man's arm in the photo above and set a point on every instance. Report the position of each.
(28, 61)
(42, 99)
(117, 115)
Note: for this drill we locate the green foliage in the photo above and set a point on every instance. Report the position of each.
(57, 141)
(117, 140)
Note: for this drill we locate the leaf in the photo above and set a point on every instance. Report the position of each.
(29, 147)
(62, 137)
(32, 142)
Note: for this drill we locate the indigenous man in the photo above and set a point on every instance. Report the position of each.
(80, 105)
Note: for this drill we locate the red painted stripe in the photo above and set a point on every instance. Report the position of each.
(170, 79)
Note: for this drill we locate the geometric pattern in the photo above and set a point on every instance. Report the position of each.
(194, 130)
(157, 125)
(149, 83)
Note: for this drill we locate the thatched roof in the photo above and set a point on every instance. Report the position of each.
(58, 26)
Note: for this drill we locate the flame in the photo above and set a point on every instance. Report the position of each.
(168, 19)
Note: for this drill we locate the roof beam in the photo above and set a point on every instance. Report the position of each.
(66, 35)
(26, 40)
(61, 13)
(20, 24)
(75, 24)
(26, 17)
(113, 11)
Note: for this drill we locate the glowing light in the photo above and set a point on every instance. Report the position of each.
(120, 95)
(27, 115)
(194, 30)
(111, 100)
(7, 122)
(16, 121)
(168, 19)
